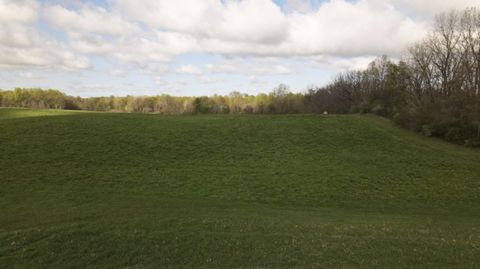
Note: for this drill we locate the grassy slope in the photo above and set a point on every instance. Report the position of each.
(127, 190)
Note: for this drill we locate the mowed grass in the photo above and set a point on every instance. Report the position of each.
(106, 190)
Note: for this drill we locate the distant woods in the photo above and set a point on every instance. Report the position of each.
(279, 101)
(434, 90)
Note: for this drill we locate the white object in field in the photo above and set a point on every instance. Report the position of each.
(325, 113)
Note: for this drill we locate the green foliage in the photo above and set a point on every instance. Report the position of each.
(279, 101)
(473, 142)
(33, 98)
(95, 190)
(428, 130)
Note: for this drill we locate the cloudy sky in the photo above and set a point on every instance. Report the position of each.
(201, 47)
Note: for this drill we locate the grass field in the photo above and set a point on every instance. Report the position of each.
(106, 190)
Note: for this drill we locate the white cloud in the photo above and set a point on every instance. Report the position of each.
(41, 52)
(89, 19)
(254, 80)
(429, 8)
(248, 28)
(153, 69)
(189, 70)
(153, 46)
(117, 73)
(18, 11)
(336, 28)
(210, 80)
(340, 64)
(22, 44)
(260, 28)
(91, 44)
(224, 20)
(16, 35)
(249, 66)
(302, 6)
(343, 28)
(28, 75)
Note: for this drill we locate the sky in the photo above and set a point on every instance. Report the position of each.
(202, 47)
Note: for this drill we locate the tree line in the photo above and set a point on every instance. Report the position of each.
(280, 101)
(435, 90)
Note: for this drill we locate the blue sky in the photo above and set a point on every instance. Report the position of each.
(200, 47)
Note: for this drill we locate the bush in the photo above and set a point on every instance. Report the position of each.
(401, 118)
(455, 135)
(473, 142)
(427, 130)
(379, 109)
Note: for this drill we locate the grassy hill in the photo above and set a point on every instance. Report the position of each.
(81, 189)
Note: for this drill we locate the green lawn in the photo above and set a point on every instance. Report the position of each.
(96, 190)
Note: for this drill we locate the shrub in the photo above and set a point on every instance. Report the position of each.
(455, 135)
(473, 142)
(401, 118)
(379, 110)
